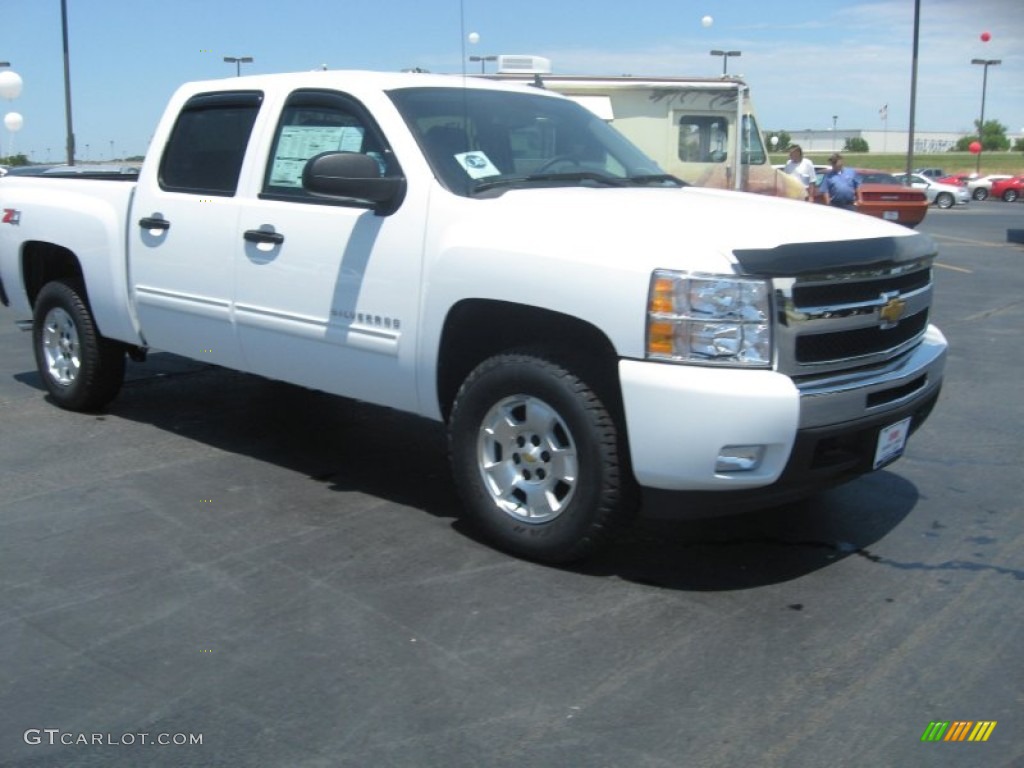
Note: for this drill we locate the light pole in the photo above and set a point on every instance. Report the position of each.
(483, 61)
(238, 61)
(67, 83)
(986, 63)
(725, 59)
(835, 118)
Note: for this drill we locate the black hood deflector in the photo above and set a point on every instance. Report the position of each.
(841, 255)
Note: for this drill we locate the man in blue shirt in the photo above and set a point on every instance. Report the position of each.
(840, 184)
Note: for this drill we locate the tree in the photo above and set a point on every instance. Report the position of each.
(1018, 146)
(14, 160)
(993, 138)
(856, 144)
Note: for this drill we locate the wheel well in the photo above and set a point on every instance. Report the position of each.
(477, 329)
(42, 263)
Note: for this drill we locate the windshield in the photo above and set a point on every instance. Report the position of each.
(480, 140)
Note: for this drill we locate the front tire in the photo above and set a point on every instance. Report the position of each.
(980, 193)
(81, 370)
(944, 200)
(538, 459)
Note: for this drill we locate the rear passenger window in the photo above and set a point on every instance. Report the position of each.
(206, 148)
(313, 122)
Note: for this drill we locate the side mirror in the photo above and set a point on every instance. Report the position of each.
(353, 175)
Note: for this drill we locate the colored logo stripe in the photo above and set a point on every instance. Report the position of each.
(958, 730)
(982, 730)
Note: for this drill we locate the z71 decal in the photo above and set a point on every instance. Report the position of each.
(11, 216)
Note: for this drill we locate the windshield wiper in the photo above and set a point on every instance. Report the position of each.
(652, 178)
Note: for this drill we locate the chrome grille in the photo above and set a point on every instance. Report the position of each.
(841, 321)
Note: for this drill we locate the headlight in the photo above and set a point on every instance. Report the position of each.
(709, 319)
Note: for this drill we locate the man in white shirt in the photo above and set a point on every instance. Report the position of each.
(802, 168)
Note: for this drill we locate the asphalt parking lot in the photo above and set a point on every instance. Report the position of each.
(225, 571)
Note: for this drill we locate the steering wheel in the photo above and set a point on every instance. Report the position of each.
(556, 160)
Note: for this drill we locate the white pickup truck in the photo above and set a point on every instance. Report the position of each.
(596, 335)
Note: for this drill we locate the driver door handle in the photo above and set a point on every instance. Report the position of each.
(152, 222)
(262, 236)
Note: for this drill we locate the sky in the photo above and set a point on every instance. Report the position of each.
(804, 61)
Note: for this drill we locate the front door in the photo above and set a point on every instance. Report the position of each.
(327, 290)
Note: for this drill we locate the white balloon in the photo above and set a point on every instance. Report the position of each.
(13, 121)
(10, 84)
(707, 21)
(474, 38)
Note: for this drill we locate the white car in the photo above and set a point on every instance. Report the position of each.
(942, 195)
(980, 188)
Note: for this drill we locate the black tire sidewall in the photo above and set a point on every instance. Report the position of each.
(102, 362)
(598, 496)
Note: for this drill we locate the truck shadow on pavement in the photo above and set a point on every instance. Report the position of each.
(357, 447)
(762, 547)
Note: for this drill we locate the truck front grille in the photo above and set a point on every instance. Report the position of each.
(842, 321)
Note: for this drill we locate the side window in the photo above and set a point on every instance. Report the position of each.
(313, 122)
(703, 139)
(207, 145)
(753, 147)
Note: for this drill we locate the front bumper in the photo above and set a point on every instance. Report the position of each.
(816, 433)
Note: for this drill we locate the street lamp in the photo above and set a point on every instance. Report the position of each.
(483, 60)
(835, 119)
(238, 61)
(725, 59)
(986, 63)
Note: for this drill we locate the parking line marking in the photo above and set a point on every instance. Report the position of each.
(972, 242)
(955, 269)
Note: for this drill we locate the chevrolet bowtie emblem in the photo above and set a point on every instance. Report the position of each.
(891, 312)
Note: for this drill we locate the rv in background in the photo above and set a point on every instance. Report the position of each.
(696, 128)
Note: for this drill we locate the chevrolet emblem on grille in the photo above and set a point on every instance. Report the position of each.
(891, 312)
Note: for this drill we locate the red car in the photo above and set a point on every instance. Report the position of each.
(957, 179)
(1008, 189)
(882, 195)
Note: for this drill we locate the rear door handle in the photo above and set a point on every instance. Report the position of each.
(151, 222)
(263, 236)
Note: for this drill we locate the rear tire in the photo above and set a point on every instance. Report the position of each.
(538, 459)
(81, 370)
(1010, 195)
(980, 193)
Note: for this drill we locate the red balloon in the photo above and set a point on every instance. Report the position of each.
(985, 37)
(975, 147)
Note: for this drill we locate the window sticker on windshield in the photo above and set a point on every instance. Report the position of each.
(477, 165)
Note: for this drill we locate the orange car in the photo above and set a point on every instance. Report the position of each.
(881, 194)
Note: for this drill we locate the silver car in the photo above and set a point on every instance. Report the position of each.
(942, 195)
(981, 188)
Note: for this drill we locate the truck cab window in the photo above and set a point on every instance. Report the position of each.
(753, 147)
(314, 122)
(703, 139)
(207, 144)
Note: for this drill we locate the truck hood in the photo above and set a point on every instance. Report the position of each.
(690, 228)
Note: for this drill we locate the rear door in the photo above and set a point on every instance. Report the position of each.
(183, 239)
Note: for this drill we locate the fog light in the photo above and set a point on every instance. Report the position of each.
(739, 458)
